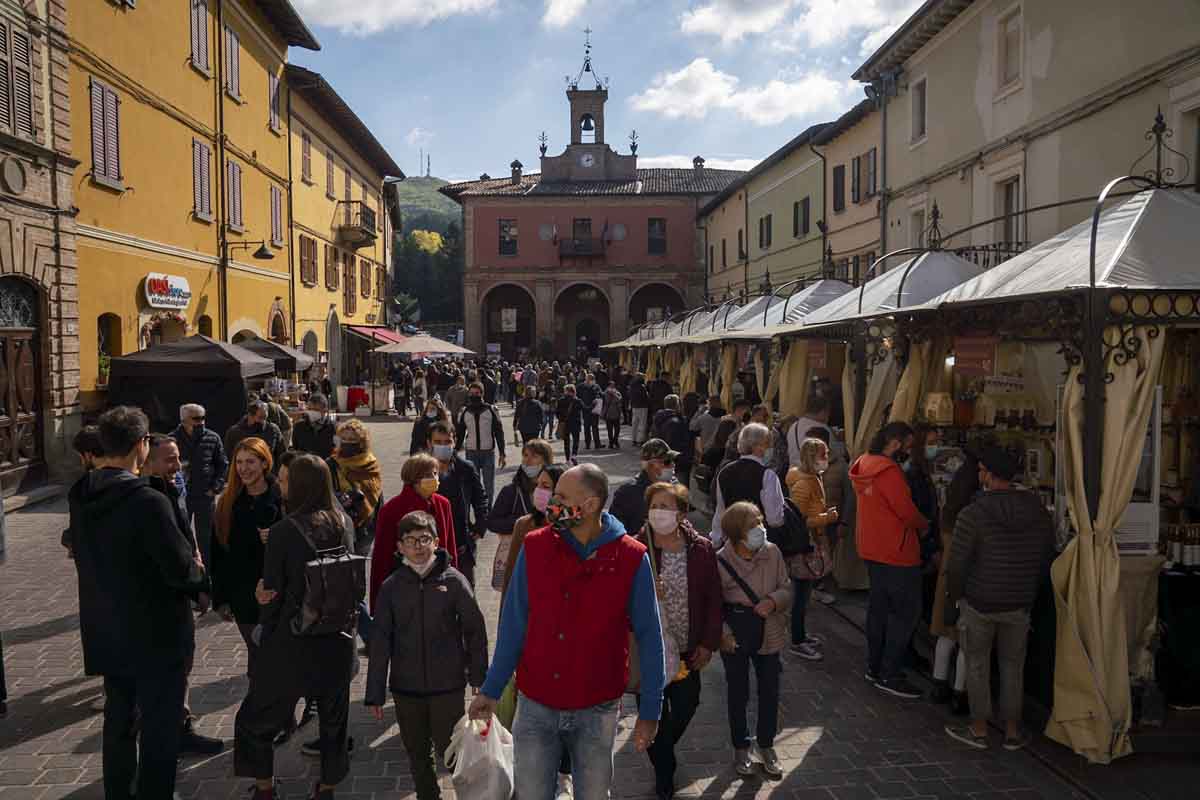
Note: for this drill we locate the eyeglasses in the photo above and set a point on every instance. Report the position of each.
(197, 419)
(417, 541)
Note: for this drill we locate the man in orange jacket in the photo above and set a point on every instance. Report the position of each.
(887, 529)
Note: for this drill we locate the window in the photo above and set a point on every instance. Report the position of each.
(202, 180)
(656, 242)
(741, 246)
(233, 195)
(276, 216)
(920, 94)
(916, 234)
(872, 186)
(349, 287)
(308, 260)
(856, 166)
(16, 81)
(805, 216)
(306, 157)
(364, 268)
(711, 253)
(1009, 49)
(329, 175)
(349, 184)
(843, 269)
(724, 259)
(199, 26)
(204, 325)
(839, 187)
(1008, 202)
(331, 267)
(106, 136)
(273, 115)
(581, 229)
(381, 283)
(508, 237)
(855, 263)
(764, 232)
(108, 335)
(233, 64)
(867, 263)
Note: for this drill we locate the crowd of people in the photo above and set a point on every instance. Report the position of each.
(606, 591)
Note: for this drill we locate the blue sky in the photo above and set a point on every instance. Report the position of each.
(475, 81)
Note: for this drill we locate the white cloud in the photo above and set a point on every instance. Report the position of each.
(731, 20)
(695, 90)
(659, 162)
(419, 137)
(365, 17)
(560, 13)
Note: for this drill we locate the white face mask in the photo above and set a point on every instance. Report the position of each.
(667, 475)
(663, 520)
(755, 538)
(822, 465)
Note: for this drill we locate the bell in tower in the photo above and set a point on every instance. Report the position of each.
(587, 104)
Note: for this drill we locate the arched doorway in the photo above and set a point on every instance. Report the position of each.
(509, 320)
(333, 341)
(581, 315)
(21, 453)
(310, 344)
(243, 335)
(654, 302)
(279, 333)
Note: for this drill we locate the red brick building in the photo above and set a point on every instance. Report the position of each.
(572, 257)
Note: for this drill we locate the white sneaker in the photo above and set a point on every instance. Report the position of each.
(566, 788)
(825, 598)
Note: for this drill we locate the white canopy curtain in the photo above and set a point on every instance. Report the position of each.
(925, 372)
(1092, 710)
(652, 361)
(728, 374)
(793, 383)
(760, 372)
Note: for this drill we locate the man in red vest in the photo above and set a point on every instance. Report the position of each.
(579, 585)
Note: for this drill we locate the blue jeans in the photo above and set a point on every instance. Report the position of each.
(485, 462)
(540, 737)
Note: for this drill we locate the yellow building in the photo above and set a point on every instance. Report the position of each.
(340, 232)
(850, 147)
(762, 230)
(183, 179)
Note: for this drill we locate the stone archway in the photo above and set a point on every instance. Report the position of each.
(653, 302)
(310, 345)
(277, 327)
(581, 320)
(509, 314)
(333, 345)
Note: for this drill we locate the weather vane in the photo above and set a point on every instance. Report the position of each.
(587, 64)
(542, 140)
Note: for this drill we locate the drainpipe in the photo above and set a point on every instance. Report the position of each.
(884, 194)
(824, 200)
(222, 232)
(291, 222)
(746, 235)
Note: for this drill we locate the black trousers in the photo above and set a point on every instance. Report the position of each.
(737, 675)
(614, 431)
(268, 709)
(680, 700)
(893, 608)
(159, 697)
(570, 443)
(3, 682)
(591, 430)
(426, 724)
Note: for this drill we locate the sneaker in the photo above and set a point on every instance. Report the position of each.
(98, 705)
(772, 766)
(806, 651)
(566, 788)
(899, 687)
(814, 640)
(1017, 742)
(309, 712)
(823, 597)
(964, 734)
(870, 676)
(311, 747)
(192, 743)
(741, 761)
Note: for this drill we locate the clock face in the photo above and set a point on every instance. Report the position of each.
(587, 160)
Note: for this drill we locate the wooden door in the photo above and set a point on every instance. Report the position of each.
(21, 455)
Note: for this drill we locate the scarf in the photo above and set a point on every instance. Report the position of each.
(361, 472)
(420, 569)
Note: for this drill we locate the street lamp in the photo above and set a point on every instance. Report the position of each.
(263, 253)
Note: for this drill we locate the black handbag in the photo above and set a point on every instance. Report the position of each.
(747, 626)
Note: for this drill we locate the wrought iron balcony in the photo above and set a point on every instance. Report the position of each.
(356, 223)
(585, 248)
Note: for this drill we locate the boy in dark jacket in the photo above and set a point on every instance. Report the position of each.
(433, 652)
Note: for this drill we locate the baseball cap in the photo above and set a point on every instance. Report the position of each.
(657, 448)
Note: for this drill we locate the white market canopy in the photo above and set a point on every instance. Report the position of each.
(422, 344)
(1150, 241)
(750, 326)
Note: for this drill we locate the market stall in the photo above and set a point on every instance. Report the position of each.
(288, 360)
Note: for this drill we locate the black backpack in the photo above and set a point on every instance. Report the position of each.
(334, 585)
(792, 536)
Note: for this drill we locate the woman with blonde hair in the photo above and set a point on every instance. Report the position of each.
(357, 479)
(247, 508)
(807, 491)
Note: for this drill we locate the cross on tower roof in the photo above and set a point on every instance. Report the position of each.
(587, 64)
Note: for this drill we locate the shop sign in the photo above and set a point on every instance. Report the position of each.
(818, 354)
(167, 291)
(508, 320)
(975, 355)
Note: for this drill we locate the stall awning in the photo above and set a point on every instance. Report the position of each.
(781, 315)
(375, 333)
(287, 359)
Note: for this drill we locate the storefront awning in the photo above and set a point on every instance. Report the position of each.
(375, 334)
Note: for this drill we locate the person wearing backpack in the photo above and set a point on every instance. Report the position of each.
(808, 493)
(425, 614)
(306, 638)
(671, 425)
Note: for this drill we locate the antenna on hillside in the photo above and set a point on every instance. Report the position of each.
(428, 167)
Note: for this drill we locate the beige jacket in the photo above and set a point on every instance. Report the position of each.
(766, 573)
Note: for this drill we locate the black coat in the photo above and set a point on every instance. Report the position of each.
(570, 411)
(204, 453)
(512, 503)
(530, 416)
(638, 396)
(137, 571)
(238, 565)
(463, 487)
(269, 432)
(315, 438)
(629, 503)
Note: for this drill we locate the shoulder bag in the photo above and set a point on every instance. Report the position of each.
(747, 626)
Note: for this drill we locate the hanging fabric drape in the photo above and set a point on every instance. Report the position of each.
(848, 400)
(925, 372)
(1092, 709)
(760, 372)
(777, 376)
(688, 372)
(728, 373)
(793, 387)
(652, 361)
(881, 387)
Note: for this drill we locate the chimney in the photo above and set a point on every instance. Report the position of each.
(485, 177)
(516, 172)
(698, 164)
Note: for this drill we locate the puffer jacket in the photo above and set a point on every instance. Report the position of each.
(888, 524)
(430, 633)
(207, 464)
(1002, 547)
(766, 572)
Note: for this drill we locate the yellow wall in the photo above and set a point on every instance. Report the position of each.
(773, 192)
(854, 231)
(723, 223)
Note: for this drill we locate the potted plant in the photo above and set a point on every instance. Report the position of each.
(104, 368)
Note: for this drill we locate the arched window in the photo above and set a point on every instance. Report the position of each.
(587, 128)
(108, 343)
(204, 325)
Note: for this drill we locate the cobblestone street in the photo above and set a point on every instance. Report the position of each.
(841, 738)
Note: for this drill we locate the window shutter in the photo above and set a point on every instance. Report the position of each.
(233, 60)
(306, 156)
(204, 17)
(194, 23)
(329, 172)
(206, 179)
(22, 84)
(273, 100)
(112, 134)
(5, 85)
(197, 177)
(237, 168)
(97, 127)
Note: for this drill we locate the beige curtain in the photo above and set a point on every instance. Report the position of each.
(793, 386)
(777, 375)
(652, 362)
(1092, 710)
(924, 373)
(728, 373)
(672, 358)
(687, 372)
(848, 400)
(760, 372)
(881, 387)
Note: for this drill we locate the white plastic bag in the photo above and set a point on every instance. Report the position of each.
(482, 755)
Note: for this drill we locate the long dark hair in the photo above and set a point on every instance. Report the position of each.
(893, 431)
(920, 439)
(310, 493)
(555, 472)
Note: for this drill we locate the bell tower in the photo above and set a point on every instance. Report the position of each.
(587, 105)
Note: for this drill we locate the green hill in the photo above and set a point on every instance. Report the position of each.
(423, 207)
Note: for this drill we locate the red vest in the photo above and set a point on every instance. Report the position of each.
(576, 652)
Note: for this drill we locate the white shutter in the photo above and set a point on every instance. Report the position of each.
(206, 180)
(112, 134)
(97, 91)
(197, 178)
(273, 100)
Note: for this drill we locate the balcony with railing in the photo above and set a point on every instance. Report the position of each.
(356, 223)
(581, 248)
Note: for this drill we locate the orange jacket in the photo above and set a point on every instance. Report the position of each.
(887, 524)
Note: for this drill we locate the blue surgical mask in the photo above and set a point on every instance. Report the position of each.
(443, 452)
(931, 451)
(756, 537)
(667, 475)
(531, 470)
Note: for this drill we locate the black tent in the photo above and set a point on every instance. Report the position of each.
(161, 378)
(287, 359)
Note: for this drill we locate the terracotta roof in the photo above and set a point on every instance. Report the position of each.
(844, 123)
(285, 19)
(925, 23)
(648, 182)
(804, 138)
(316, 90)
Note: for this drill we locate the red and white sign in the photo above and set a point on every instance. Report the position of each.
(975, 355)
(167, 291)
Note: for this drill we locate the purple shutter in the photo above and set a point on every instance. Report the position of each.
(306, 156)
(197, 177)
(273, 100)
(112, 134)
(206, 180)
(97, 91)
(203, 17)
(194, 25)
(241, 220)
